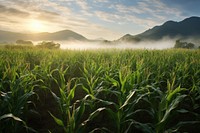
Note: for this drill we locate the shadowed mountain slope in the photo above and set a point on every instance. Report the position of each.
(188, 28)
(60, 35)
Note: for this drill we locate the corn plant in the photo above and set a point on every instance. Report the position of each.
(70, 114)
(93, 82)
(159, 107)
(16, 88)
(120, 91)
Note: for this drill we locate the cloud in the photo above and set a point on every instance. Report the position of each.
(47, 12)
(12, 11)
(91, 17)
(21, 14)
(6, 20)
(158, 10)
(101, 1)
(127, 19)
(43, 10)
(128, 9)
(145, 13)
(58, 15)
(107, 16)
(46, 15)
(97, 32)
(145, 22)
(83, 4)
(12, 18)
(85, 8)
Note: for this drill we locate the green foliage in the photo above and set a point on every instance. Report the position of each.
(120, 91)
(16, 87)
(49, 45)
(180, 44)
(23, 42)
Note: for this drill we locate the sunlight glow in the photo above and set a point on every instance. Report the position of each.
(36, 26)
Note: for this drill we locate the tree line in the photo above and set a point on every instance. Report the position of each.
(43, 44)
(187, 45)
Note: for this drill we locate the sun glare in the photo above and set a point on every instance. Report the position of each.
(36, 26)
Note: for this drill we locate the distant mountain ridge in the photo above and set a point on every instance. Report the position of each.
(60, 35)
(188, 28)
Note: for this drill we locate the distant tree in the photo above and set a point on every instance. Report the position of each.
(24, 42)
(49, 45)
(180, 44)
(190, 45)
(6, 43)
(106, 41)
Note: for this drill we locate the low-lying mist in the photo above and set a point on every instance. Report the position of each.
(78, 45)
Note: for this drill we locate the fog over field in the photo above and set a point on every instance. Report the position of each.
(78, 45)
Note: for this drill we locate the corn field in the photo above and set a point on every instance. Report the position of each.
(103, 91)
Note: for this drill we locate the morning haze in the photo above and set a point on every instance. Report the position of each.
(158, 37)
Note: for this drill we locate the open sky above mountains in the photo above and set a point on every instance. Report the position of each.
(109, 19)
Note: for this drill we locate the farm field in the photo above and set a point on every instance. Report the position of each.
(102, 91)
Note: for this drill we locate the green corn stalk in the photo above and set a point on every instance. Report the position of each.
(17, 86)
(70, 114)
(90, 80)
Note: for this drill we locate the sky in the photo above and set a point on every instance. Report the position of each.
(108, 19)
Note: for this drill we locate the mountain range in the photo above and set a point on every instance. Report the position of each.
(60, 35)
(188, 28)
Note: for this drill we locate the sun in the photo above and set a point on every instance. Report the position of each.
(36, 26)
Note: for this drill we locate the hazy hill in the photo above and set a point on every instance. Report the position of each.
(129, 38)
(9, 36)
(60, 35)
(188, 28)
